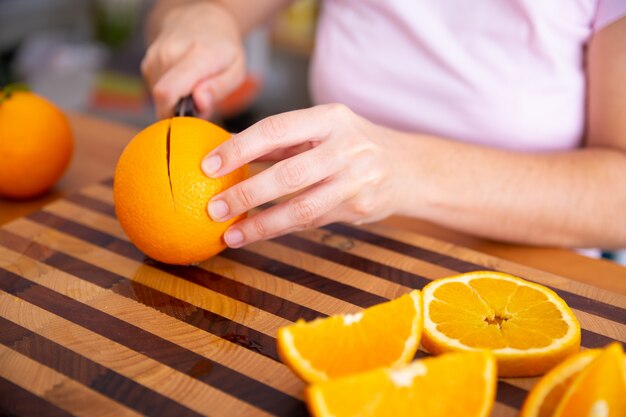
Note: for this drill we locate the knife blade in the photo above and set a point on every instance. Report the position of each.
(186, 107)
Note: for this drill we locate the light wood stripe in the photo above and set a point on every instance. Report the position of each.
(247, 362)
(383, 256)
(56, 388)
(328, 269)
(234, 270)
(121, 308)
(105, 194)
(513, 382)
(589, 321)
(146, 371)
(542, 277)
(191, 293)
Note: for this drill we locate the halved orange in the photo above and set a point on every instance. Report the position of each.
(529, 327)
(456, 384)
(386, 334)
(599, 390)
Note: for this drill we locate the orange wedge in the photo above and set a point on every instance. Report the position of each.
(599, 390)
(546, 395)
(457, 384)
(383, 335)
(529, 327)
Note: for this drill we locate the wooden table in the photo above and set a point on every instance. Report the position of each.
(89, 326)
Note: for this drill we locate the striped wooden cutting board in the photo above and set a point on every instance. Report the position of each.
(90, 327)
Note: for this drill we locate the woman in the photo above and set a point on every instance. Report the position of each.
(501, 119)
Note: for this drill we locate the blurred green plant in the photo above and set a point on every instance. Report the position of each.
(115, 21)
(7, 91)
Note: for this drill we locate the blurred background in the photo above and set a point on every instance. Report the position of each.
(85, 55)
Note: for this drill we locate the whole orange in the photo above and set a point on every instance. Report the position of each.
(161, 193)
(35, 144)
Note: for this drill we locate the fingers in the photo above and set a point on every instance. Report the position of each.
(304, 211)
(180, 79)
(275, 132)
(213, 89)
(281, 179)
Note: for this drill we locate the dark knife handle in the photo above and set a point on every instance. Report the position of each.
(186, 107)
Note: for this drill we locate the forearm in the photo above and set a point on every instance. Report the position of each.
(247, 14)
(574, 199)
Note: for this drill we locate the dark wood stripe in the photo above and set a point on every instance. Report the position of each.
(207, 279)
(177, 357)
(15, 400)
(200, 277)
(510, 394)
(423, 254)
(200, 318)
(92, 204)
(593, 340)
(305, 278)
(107, 182)
(353, 261)
(576, 301)
(89, 373)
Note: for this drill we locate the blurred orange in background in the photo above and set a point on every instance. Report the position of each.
(35, 144)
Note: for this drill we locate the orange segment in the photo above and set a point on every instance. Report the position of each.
(459, 384)
(527, 326)
(599, 390)
(383, 335)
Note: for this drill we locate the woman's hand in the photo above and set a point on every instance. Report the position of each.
(198, 50)
(345, 168)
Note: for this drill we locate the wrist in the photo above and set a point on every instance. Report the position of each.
(417, 169)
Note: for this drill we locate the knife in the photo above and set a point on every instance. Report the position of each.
(186, 107)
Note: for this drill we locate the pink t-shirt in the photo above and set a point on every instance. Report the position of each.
(503, 73)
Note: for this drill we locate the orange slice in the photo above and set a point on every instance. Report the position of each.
(529, 328)
(383, 335)
(457, 384)
(599, 390)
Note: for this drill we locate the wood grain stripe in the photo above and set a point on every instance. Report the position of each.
(161, 378)
(307, 279)
(105, 194)
(591, 338)
(287, 289)
(89, 373)
(353, 261)
(331, 270)
(244, 361)
(206, 279)
(162, 350)
(576, 301)
(419, 355)
(198, 317)
(17, 401)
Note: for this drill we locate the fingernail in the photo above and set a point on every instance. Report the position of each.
(211, 165)
(233, 237)
(218, 209)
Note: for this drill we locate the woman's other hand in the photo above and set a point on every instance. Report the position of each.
(197, 49)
